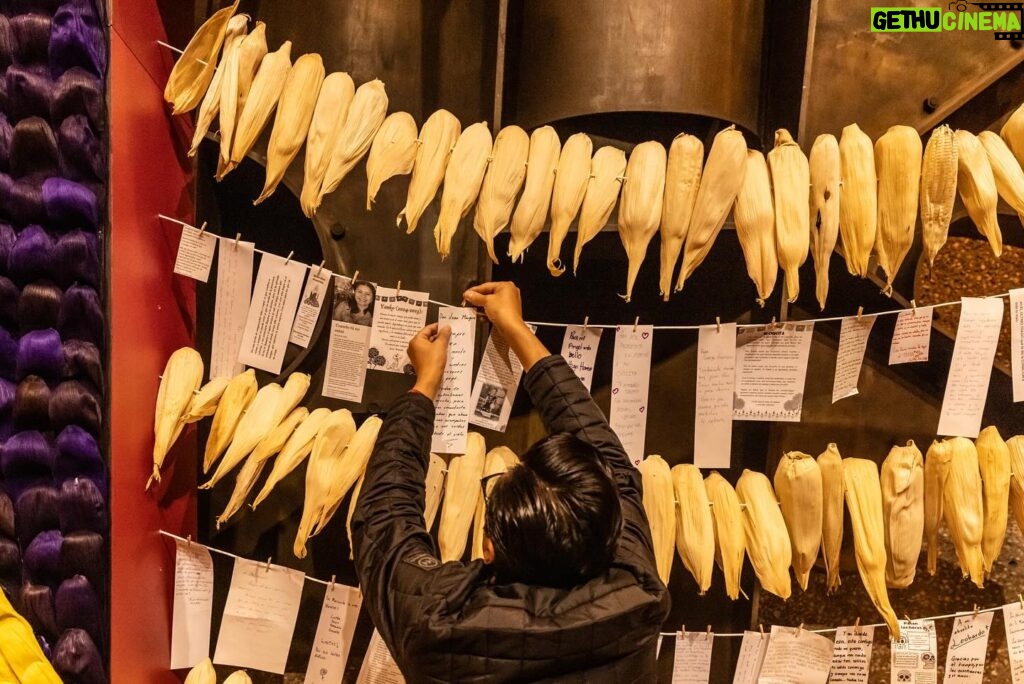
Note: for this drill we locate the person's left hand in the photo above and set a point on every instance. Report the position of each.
(428, 353)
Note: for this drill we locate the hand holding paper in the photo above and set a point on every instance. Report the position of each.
(428, 353)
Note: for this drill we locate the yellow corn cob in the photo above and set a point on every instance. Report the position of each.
(294, 114)
(800, 488)
(963, 508)
(294, 390)
(682, 180)
(938, 190)
(1006, 169)
(858, 212)
(977, 186)
(238, 77)
(730, 544)
(754, 216)
(826, 189)
(204, 401)
(936, 470)
(790, 182)
(571, 176)
(254, 425)
(1016, 447)
(659, 504)
(507, 455)
(462, 180)
(329, 115)
(607, 170)
(831, 465)
(210, 106)
(695, 527)
(1012, 133)
(719, 185)
(461, 491)
(20, 649)
(392, 153)
(433, 486)
(325, 465)
(261, 101)
(437, 139)
(365, 116)
(238, 677)
(640, 209)
(502, 183)
(239, 393)
(994, 463)
(203, 673)
(494, 466)
(193, 72)
(902, 483)
(764, 529)
(182, 376)
(356, 456)
(532, 210)
(353, 501)
(898, 165)
(294, 451)
(864, 499)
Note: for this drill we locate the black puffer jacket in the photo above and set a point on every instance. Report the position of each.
(450, 622)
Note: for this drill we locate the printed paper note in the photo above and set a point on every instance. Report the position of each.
(851, 657)
(912, 336)
(752, 650)
(631, 375)
(195, 254)
(259, 616)
(234, 286)
(309, 306)
(796, 656)
(965, 655)
(397, 317)
(579, 349)
(193, 605)
(1017, 342)
(915, 655)
(853, 340)
(716, 377)
(379, 666)
(274, 298)
(1013, 622)
(334, 632)
(451, 412)
(771, 365)
(497, 382)
(692, 661)
(971, 367)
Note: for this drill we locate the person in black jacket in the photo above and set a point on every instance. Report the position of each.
(568, 590)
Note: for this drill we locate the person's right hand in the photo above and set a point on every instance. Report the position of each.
(428, 353)
(501, 303)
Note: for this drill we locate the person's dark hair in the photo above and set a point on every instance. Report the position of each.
(554, 519)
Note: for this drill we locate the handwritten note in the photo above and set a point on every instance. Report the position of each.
(451, 412)
(579, 349)
(345, 372)
(965, 655)
(752, 650)
(379, 666)
(309, 306)
(193, 605)
(497, 382)
(796, 656)
(853, 340)
(631, 377)
(971, 367)
(851, 657)
(195, 254)
(234, 286)
(274, 298)
(913, 658)
(334, 632)
(1017, 342)
(912, 336)
(433, 486)
(1013, 622)
(771, 366)
(259, 616)
(716, 377)
(397, 317)
(692, 661)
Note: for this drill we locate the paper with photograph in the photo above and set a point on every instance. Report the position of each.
(496, 385)
(345, 371)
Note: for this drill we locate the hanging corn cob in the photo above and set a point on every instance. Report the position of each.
(719, 185)
(192, 73)
(506, 172)
(238, 677)
(434, 487)
(1012, 133)
(695, 527)
(294, 390)
(682, 180)
(532, 210)
(294, 451)
(571, 178)
(203, 673)
(898, 165)
(963, 508)
(799, 486)
(294, 114)
(238, 78)
(858, 212)
(902, 484)
(790, 183)
(1016, 447)
(260, 102)
(210, 106)
(462, 181)
(254, 425)
(977, 186)
(659, 504)
(357, 455)
(764, 529)
(640, 209)
(182, 376)
(825, 200)
(607, 170)
(326, 464)
(239, 393)
(494, 465)
(1007, 171)
(461, 491)
(204, 402)
(329, 116)
(938, 190)
(730, 544)
(936, 470)
(994, 464)
(831, 465)
(754, 216)
(437, 139)
(392, 153)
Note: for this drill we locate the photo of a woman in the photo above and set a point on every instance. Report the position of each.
(353, 301)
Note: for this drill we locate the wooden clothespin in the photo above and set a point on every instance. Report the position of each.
(860, 313)
(799, 629)
(398, 289)
(238, 236)
(682, 632)
(1020, 597)
(355, 276)
(718, 323)
(320, 269)
(857, 622)
(636, 322)
(586, 322)
(771, 326)
(913, 305)
(202, 229)
(975, 616)
(761, 627)
(189, 540)
(332, 580)
(268, 563)
(289, 258)
(708, 636)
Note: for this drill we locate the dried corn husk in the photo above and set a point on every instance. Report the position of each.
(295, 450)
(434, 486)
(730, 544)
(764, 529)
(437, 140)
(571, 178)
(858, 212)
(238, 677)
(754, 216)
(239, 393)
(1012, 133)
(203, 673)
(357, 455)
(329, 115)
(799, 486)
(502, 183)
(695, 528)
(294, 114)
(825, 199)
(938, 190)
(462, 180)
(193, 72)
(1006, 169)
(977, 185)
(532, 210)
(719, 185)
(494, 465)
(261, 101)
(294, 390)
(204, 402)
(238, 77)
(936, 470)
(902, 484)
(659, 504)
(1016, 446)
(461, 491)
(831, 465)
(182, 376)
(994, 463)
(790, 182)
(682, 180)
(640, 209)
(963, 508)
(607, 170)
(898, 165)
(257, 422)
(210, 106)
(392, 153)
